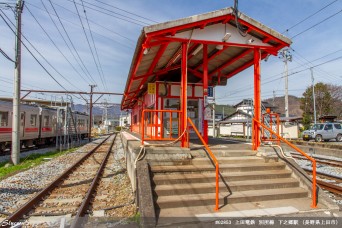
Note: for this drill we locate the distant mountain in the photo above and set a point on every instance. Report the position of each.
(113, 111)
(294, 105)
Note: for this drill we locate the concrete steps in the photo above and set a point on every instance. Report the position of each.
(236, 167)
(244, 178)
(225, 152)
(226, 160)
(160, 179)
(199, 188)
(177, 201)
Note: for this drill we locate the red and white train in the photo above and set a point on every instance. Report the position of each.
(38, 125)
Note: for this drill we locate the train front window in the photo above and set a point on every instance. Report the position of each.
(3, 119)
(33, 120)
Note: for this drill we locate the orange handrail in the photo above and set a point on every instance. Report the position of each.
(215, 161)
(314, 201)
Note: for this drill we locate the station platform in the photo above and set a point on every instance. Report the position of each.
(176, 182)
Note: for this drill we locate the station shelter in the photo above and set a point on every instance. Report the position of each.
(175, 62)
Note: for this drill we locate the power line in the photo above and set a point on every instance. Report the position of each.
(86, 36)
(46, 33)
(311, 15)
(6, 56)
(127, 11)
(320, 22)
(77, 25)
(278, 78)
(131, 20)
(66, 43)
(92, 21)
(96, 52)
(46, 60)
(31, 52)
(72, 44)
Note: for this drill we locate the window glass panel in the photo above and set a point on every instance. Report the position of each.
(328, 127)
(46, 121)
(338, 126)
(3, 119)
(33, 120)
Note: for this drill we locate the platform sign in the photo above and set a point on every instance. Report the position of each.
(210, 92)
(151, 88)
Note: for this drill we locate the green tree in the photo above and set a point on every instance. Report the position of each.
(324, 103)
(336, 94)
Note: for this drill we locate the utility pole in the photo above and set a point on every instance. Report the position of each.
(313, 93)
(286, 55)
(90, 111)
(15, 155)
(273, 98)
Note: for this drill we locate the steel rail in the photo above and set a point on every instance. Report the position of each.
(328, 186)
(321, 161)
(24, 209)
(86, 201)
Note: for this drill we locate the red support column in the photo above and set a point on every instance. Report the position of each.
(257, 99)
(205, 89)
(184, 100)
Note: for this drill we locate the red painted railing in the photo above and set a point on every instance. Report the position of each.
(213, 159)
(313, 195)
(153, 126)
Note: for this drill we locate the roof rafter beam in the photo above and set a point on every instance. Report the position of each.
(218, 52)
(156, 59)
(245, 66)
(181, 40)
(195, 73)
(199, 24)
(244, 53)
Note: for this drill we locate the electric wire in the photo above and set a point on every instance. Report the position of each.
(311, 15)
(290, 74)
(241, 30)
(72, 44)
(318, 23)
(53, 42)
(111, 15)
(115, 7)
(77, 25)
(42, 56)
(91, 50)
(66, 43)
(31, 52)
(95, 48)
(6, 56)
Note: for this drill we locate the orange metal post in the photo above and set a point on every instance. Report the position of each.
(184, 85)
(314, 195)
(217, 168)
(257, 99)
(143, 127)
(205, 89)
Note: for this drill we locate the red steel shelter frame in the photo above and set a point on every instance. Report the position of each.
(207, 48)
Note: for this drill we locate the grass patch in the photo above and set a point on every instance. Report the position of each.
(29, 162)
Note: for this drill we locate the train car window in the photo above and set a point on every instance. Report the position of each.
(33, 120)
(46, 121)
(3, 119)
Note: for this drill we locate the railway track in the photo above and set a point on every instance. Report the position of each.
(333, 188)
(70, 193)
(324, 161)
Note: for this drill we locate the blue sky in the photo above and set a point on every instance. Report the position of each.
(115, 41)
